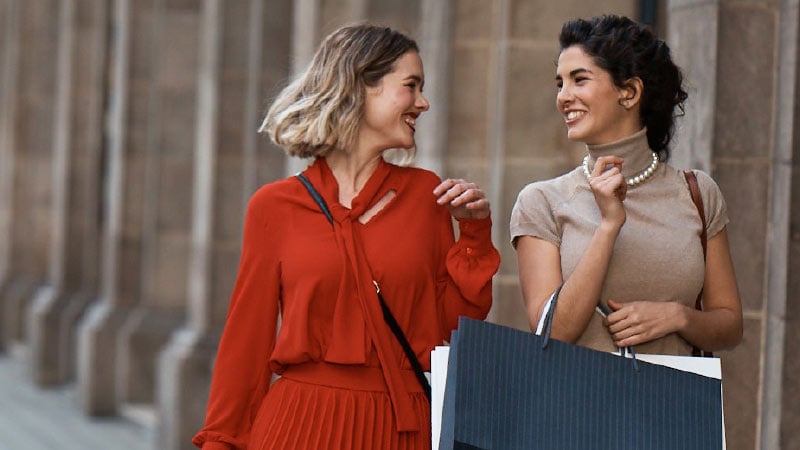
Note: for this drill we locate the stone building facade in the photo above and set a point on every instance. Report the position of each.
(128, 150)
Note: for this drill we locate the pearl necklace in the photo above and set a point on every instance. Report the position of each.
(633, 181)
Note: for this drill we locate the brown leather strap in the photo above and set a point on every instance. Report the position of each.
(697, 198)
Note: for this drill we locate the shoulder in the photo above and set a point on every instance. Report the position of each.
(552, 191)
(416, 175)
(271, 195)
(709, 188)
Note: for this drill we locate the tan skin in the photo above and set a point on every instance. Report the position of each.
(717, 327)
(391, 110)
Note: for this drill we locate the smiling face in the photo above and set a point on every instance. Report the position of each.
(594, 108)
(391, 108)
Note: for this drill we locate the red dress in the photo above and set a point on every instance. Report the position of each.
(345, 381)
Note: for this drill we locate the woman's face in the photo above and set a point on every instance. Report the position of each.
(589, 100)
(391, 108)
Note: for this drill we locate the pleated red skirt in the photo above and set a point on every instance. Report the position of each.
(318, 406)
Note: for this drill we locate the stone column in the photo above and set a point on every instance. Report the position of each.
(32, 120)
(167, 194)
(9, 49)
(244, 59)
(72, 276)
(435, 40)
(780, 418)
(130, 91)
(729, 52)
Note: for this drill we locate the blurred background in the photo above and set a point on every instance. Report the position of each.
(128, 151)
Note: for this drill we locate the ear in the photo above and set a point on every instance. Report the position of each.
(630, 94)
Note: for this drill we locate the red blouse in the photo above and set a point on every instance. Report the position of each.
(295, 263)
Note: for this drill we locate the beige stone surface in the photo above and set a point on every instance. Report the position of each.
(744, 35)
(745, 186)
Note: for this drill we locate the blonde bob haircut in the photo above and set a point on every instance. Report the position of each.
(321, 110)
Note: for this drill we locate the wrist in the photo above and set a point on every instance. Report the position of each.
(610, 227)
(681, 317)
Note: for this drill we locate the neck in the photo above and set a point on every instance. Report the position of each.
(351, 170)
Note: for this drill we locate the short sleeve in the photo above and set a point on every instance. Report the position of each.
(533, 216)
(714, 204)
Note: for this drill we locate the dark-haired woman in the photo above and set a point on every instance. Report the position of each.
(621, 231)
(346, 382)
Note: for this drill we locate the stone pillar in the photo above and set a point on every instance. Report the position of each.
(167, 195)
(130, 92)
(780, 418)
(730, 134)
(31, 114)
(9, 50)
(72, 276)
(244, 59)
(435, 40)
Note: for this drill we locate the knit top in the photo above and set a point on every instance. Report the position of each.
(657, 255)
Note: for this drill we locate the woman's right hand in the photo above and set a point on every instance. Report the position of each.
(609, 189)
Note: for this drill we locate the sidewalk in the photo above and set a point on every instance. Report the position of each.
(33, 418)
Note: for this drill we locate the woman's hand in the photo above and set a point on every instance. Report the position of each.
(609, 189)
(639, 322)
(465, 200)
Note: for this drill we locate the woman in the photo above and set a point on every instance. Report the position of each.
(345, 382)
(621, 232)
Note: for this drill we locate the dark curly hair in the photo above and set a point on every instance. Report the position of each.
(626, 49)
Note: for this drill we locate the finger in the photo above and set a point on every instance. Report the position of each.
(444, 186)
(454, 192)
(602, 163)
(468, 195)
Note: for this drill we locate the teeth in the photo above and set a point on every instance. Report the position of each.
(410, 121)
(574, 114)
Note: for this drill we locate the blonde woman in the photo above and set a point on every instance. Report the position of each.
(346, 382)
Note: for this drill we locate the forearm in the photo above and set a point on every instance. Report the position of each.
(581, 291)
(716, 329)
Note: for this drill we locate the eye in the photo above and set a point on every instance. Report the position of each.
(578, 80)
(559, 85)
(412, 85)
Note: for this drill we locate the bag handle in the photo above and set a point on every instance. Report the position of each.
(697, 199)
(545, 323)
(387, 313)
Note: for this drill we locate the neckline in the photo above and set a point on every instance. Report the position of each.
(374, 189)
(634, 149)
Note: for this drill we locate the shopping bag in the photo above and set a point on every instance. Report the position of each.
(509, 389)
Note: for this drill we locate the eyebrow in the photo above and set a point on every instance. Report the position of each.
(575, 72)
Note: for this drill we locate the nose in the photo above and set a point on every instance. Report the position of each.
(422, 102)
(564, 96)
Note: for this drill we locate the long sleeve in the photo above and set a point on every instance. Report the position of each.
(465, 284)
(241, 374)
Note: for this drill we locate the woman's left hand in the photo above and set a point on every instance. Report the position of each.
(639, 322)
(465, 200)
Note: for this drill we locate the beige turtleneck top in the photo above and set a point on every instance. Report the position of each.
(657, 255)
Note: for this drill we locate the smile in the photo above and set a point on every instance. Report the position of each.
(411, 122)
(573, 115)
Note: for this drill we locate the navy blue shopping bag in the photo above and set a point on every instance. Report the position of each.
(508, 389)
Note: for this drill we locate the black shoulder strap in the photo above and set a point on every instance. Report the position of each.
(315, 195)
(387, 313)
